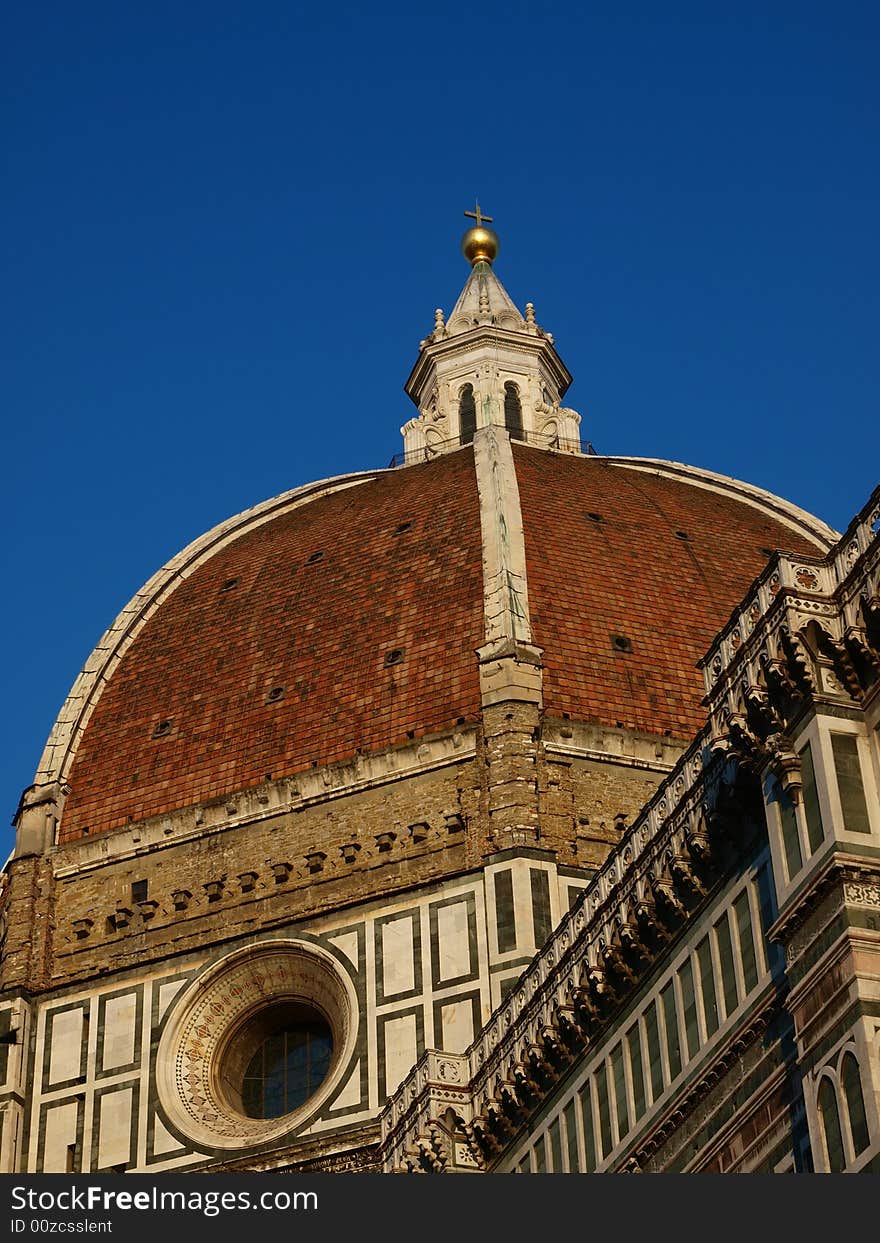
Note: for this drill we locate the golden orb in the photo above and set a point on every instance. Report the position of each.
(480, 245)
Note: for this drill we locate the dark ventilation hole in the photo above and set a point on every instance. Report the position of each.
(139, 891)
(595, 517)
(314, 558)
(162, 729)
(621, 643)
(681, 535)
(229, 584)
(401, 527)
(394, 657)
(276, 693)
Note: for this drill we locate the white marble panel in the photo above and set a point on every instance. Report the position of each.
(348, 944)
(66, 1049)
(60, 1135)
(401, 1049)
(457, 1019)
(163, 1140)
(351, 1093)
(452, 934)
(120, 1014)
(167, 993)
(114, 1136)
(398, 965)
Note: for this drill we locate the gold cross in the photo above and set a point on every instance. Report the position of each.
(478, 216)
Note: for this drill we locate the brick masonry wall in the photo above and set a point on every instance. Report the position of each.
(221, 881)
(257, 876)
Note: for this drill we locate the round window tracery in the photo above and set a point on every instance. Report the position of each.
(256, 1046)
(277, 1060)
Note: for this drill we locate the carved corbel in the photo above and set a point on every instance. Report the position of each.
(470, 1140)
(410, 1163)
(541, 1071)
(483, 1134)
(785, 765)
(669, 904)
(719, 745)
(571, 1031)
(744, 740)
(554, 1045)
(864, 657)
(699, 845)
(799, 664)
(649, 921)
(685, 879)
(497, 1118)
(784, 694)
(600, 986)
(516, 1096)
(615, 964)
(433, 1149)
(633, 945)
(761, 715)
(870, 609)
(844, 666)
(585, 1007)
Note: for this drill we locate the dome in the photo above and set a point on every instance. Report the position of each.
(343, 619)
(400, 760)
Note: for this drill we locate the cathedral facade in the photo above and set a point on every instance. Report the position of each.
(513, 808)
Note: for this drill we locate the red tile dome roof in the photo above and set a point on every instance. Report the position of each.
(642, 552)
(344, 618)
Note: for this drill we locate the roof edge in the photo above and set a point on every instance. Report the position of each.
(70, 724)
(791, 515)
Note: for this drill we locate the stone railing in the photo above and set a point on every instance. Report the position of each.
(412, 1140)
(657, 874)
(807, 626)
(808, 630)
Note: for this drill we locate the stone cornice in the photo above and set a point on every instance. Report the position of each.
(839, 870)
(485, 335)
(265, 802)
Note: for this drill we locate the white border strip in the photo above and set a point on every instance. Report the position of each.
(57, 758)
(791, 515)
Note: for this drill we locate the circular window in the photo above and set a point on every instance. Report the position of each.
(277, 1060)
(254, 1047)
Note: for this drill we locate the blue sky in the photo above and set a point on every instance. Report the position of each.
(226, 228)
